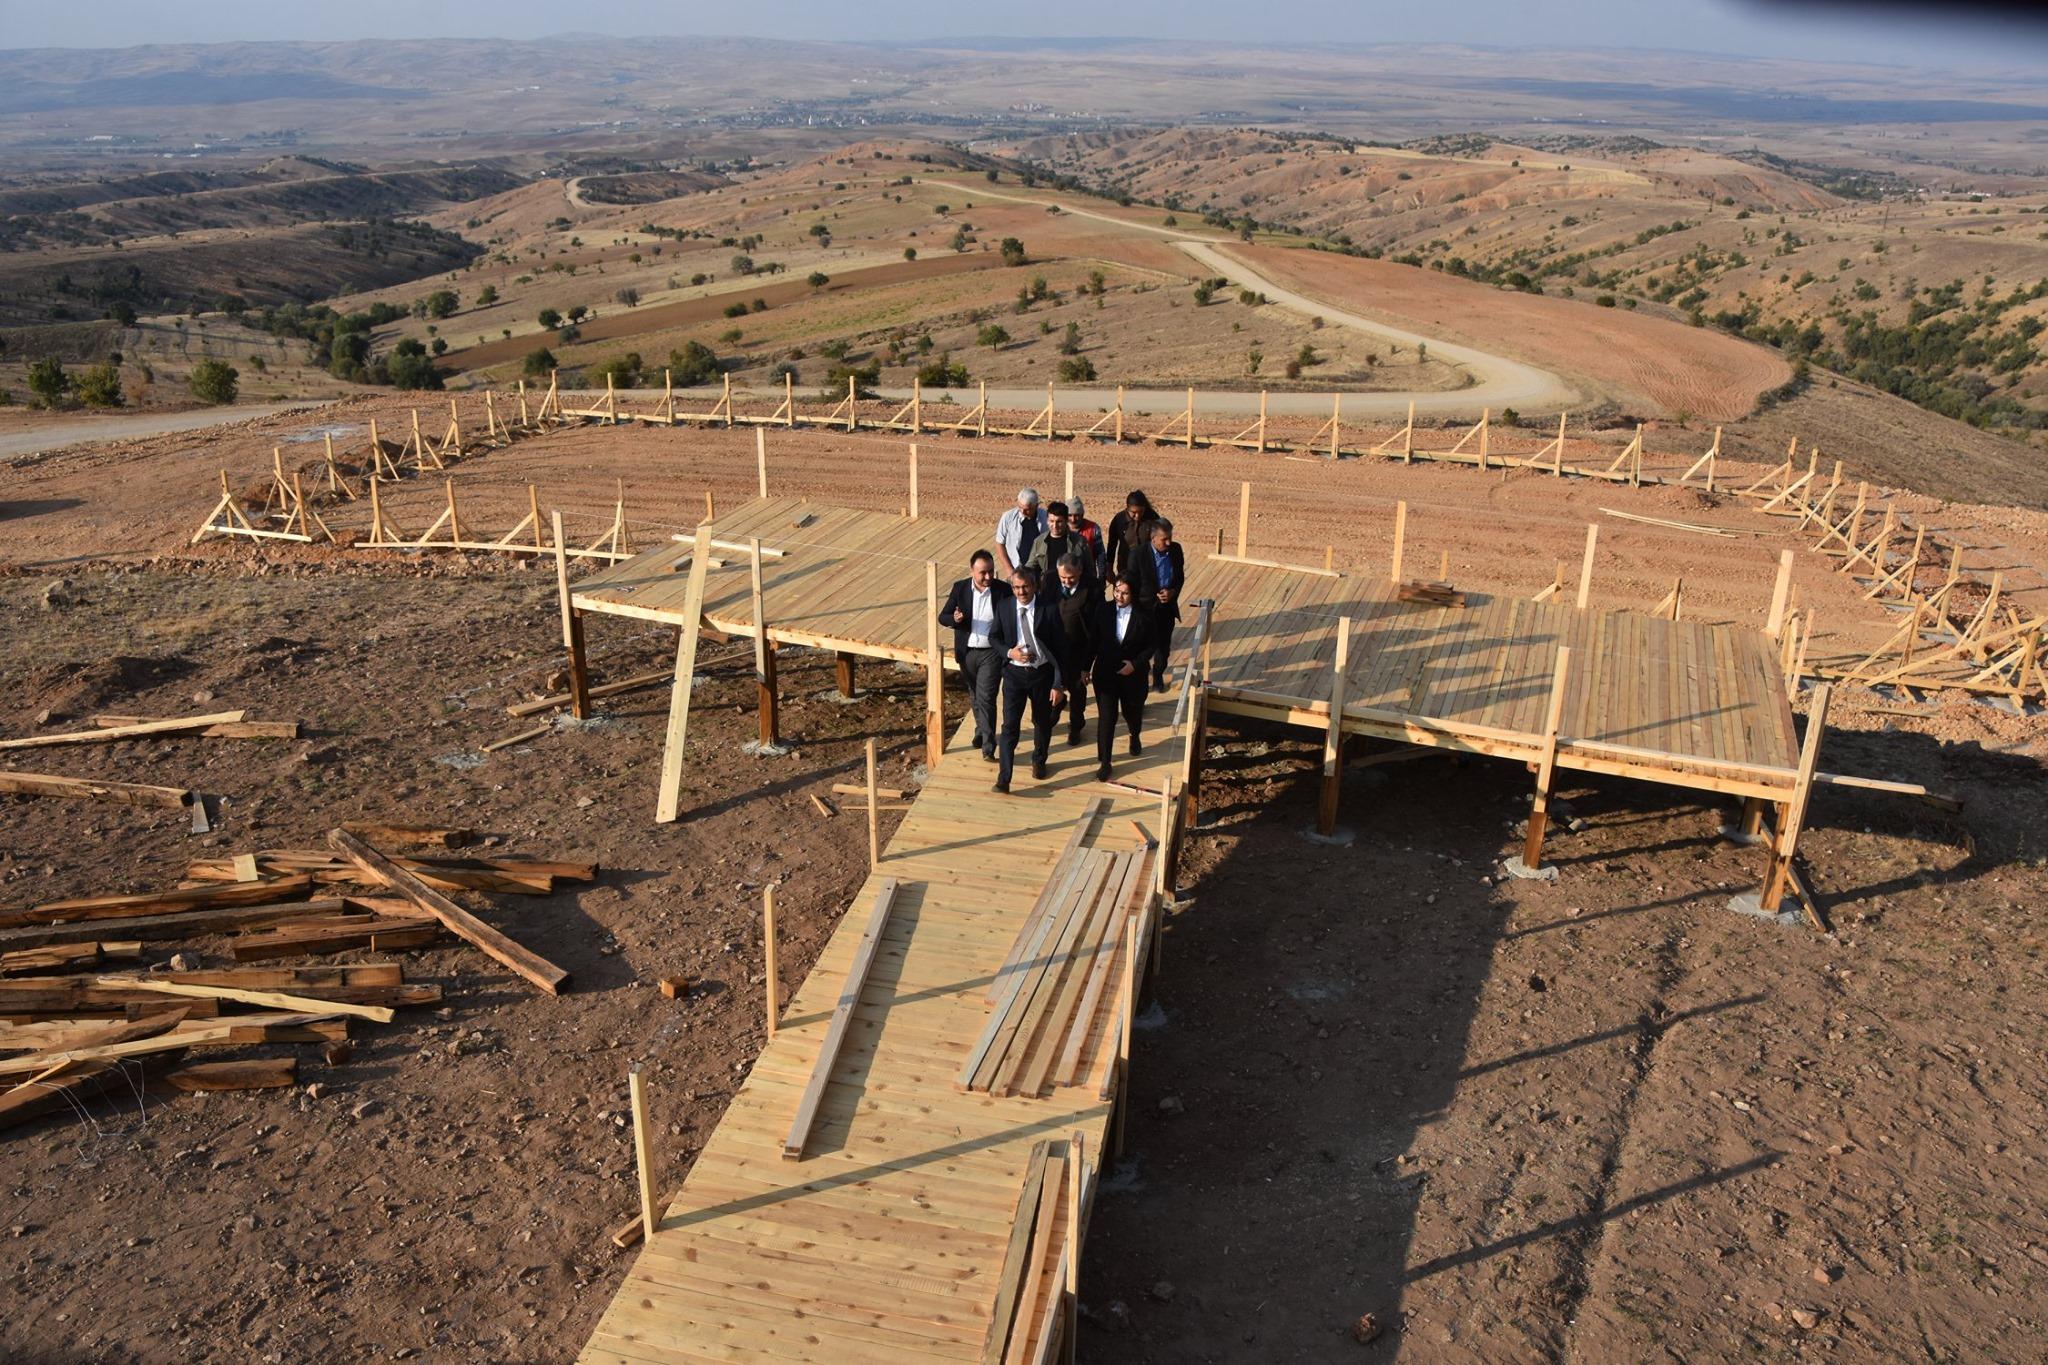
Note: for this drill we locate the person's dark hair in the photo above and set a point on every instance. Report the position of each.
(1162, 524)
(1056, 509)
(1137, 495)
(1070, 562)
(1029, 574)
(980, 555)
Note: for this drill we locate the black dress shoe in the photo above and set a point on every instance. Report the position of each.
(1102, 773)
(1038, 771)
(1136, 748)
(1073, 738)
(1002, 787)
(988, 755)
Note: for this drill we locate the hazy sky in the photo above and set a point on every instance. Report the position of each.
(1969, 33)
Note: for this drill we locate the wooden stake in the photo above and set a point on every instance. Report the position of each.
(670, 798)
(1333, 738)
(913, 480)
(935, 672)
(768, 951)
(1586, 566)
(1779, 878)
(764, 652)
(1400, 536)
(1779, 592)
(1546, 766)
(761, 461)
(643, 1150)
(572, 630)
(874, 810)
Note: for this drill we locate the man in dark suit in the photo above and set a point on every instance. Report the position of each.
(1034, 670)
(1123, 649)
(1161, 572)
(1079, 601)
(971, 610)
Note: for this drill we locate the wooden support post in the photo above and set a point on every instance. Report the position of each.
(913, 480)
(1546, 766)
(1191, 419)
(1333, 738)
(874, 808)
(761, 461)
(643, 1154)
(572, 630)
(1586, 565)
(454, 517)
(1779, 878)
(1752, 821)
(1408, 436)
(916, 407)
(1557, 460)
(1069, 494)
(843, 666)
(710, 506)
(1244, 517)
(533, 517)
(1780, 592)
(1336, 421)
(764, 653)
(725, 401)
(981, 411)
(1262, 421)
(1162, 876)
(1400, 536)
(1127, 1018)
(852, 402)
(789, 400)
(768, 953)
(1119, 414)
(611, 400)
(1485, 427)
(670, 798)
(934, 672)
(1077, 1147)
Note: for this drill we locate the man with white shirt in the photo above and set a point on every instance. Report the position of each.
(1019, 529)
(1124, 642)
(1034, 647)
(971, 610)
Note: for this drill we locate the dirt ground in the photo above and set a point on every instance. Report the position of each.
(1602, 1118)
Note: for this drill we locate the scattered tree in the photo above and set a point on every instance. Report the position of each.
(48, 382)
(213, 381)
(910, 253)
(628, 295)
(487, 296)
(818, 279)
(441, 303)
(1070, 342)
(538, 361)
(743, 265)
(624, 370)
(942, 373)
(548, 318)
(1013, 251)
(864, 378)
(99, 386)
(1077, 369)
(993, 335)
(695, 363)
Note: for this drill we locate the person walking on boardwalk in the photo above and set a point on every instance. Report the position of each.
(1034, 671)
(1018, 529)
(1059, 542)
(1123, 650)
(1127, 533)
(971, 610)
(1089, 531)
(1161, 570)
(1080, 603)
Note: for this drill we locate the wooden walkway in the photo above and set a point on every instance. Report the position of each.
(887, 1242)
(921, 1217)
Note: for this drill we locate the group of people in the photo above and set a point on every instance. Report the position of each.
(1061, 603)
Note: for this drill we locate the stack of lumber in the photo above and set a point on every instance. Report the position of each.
(1045, 998)
(1431, 594)
(68, 1025)
(1029, 1318)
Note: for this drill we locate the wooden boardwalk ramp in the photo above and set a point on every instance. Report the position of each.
(924, 1220)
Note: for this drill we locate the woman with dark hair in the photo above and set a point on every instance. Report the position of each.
(1128, 533)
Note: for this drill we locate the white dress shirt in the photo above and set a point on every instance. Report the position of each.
(1123, 622)
(982, 618)
(1027, 636)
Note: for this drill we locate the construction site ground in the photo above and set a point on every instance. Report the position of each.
(1378, 1089)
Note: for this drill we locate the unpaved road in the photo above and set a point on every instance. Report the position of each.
(65, 431)
(1501, 382)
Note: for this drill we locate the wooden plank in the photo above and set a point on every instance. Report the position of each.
(126, 793)
(1011, 1282)
(670, 797)
(148, 903)
(256, 1073)
(184, 725)
(835, 1033)
(273, 1000)
(536, 969)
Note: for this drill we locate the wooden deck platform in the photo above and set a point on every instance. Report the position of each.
(887, 1241)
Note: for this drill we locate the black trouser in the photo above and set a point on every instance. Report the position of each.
(1162, 625)
(1075, 707)
(1021, 684)
(1120, 693)
(981, 677)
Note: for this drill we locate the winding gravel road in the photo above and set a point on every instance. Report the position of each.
(1500, 382)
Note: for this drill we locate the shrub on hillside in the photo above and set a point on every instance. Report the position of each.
(539, 361)
(99, 386)
(48, 382)
(213, 381)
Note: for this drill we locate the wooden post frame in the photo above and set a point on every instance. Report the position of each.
(1586, 565)
(1244, 517)
(1792, 818)
(874, 810)
(1400, 539)
(1546, 766)
(1780, 595)
(572, 630)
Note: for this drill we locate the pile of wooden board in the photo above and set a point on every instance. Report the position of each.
(1046, 996)
(70, 1027)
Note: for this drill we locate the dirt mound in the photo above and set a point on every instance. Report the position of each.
(78, 689)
